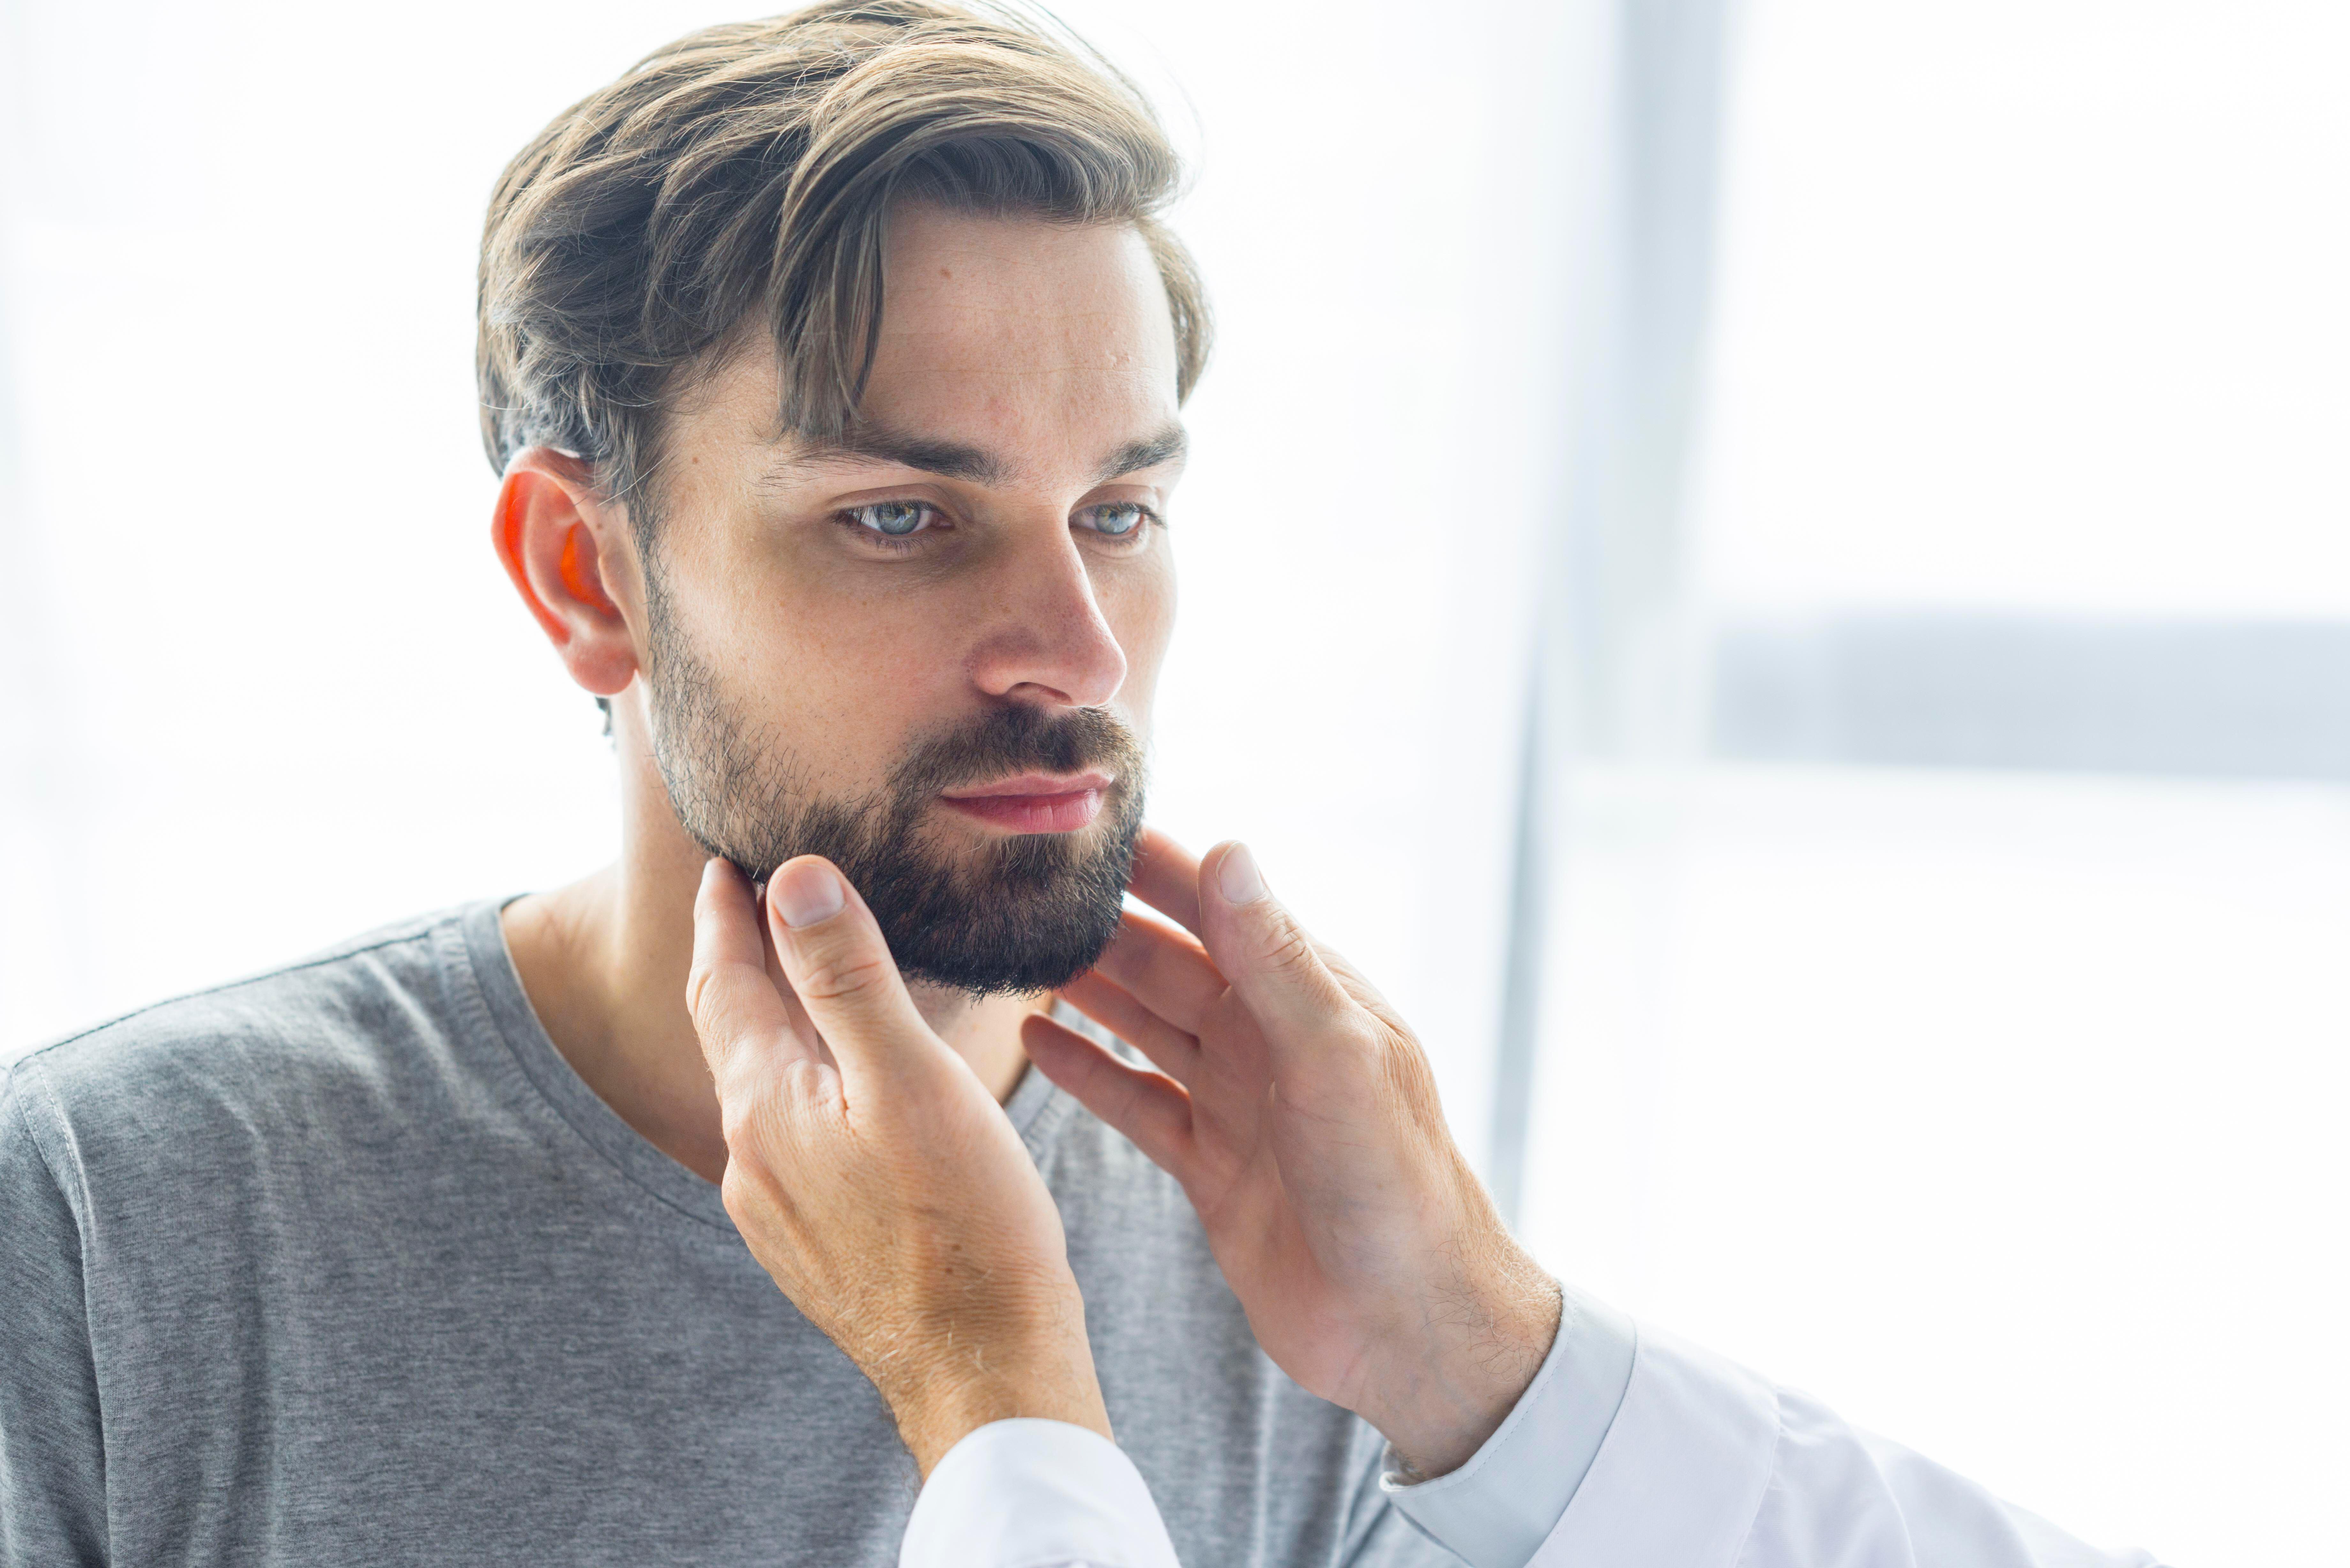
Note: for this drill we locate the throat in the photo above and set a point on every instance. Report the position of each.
(984, 1032)
(606, 979)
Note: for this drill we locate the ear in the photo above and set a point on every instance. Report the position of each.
(567, 550)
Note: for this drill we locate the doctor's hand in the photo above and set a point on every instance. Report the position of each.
(1301, 1118)
(873, 1175)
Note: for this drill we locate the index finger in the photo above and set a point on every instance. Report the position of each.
(1166, 876)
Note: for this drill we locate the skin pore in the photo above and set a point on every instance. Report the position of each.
(990, 533)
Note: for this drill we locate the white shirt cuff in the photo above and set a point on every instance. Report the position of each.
(1497, 1510)
(1028, 1493)
(1684, 1469)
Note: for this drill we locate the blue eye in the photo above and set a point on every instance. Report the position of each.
(893, 519)
(1118, 519)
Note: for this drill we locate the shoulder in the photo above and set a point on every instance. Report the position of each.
(237, 1053)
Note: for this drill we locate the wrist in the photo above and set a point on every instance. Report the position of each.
(934, 1422)
(1045, 1372)
(1468, 1357)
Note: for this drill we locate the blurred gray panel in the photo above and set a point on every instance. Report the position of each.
(2210, 699)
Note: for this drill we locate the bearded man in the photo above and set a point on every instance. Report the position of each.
(833, 367)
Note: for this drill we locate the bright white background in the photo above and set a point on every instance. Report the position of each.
(2003, 1111)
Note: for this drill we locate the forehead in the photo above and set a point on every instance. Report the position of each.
(1049, 342)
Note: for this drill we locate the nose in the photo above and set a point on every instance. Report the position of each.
(1046, 640)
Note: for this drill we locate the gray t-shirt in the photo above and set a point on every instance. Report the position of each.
(344, 1264)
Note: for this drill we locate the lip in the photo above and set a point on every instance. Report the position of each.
(1033, 803)
(1035, 784)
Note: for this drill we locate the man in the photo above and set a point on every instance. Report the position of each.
(833, 366)
(414, 1252)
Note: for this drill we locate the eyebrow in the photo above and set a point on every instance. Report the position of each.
(872, 443)
(1167, 446)
(960, 460)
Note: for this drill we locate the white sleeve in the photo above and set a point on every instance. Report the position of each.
(1698, 1463)
(1036, 1494)
(1495, 1509)
(1705, 1465)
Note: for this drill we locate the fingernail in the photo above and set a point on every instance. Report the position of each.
(804, 895)
(1238, 878)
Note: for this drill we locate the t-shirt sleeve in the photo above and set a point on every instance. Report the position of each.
(52, 1455)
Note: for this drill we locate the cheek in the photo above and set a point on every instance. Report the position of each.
(840, 678)
(862, 667)
(1139, 606)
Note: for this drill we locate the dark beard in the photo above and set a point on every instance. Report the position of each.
(1028, 912)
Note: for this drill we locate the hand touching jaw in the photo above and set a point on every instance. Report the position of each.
(873, 1175)
(883, 1188)
(1301, 1117)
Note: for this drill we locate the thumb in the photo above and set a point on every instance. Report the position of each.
(1260, 948)
(833, 953)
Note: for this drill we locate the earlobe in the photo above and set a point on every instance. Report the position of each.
(550, 533)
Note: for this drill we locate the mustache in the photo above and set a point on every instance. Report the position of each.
(1016, 738)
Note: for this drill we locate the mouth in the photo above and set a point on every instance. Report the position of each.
(1033, 803)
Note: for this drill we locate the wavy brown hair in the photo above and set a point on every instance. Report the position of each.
(746, 172)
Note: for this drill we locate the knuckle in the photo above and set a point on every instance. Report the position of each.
(841, 971)
(732, 1190)
(756, 1126)
(810, 1086)
(1405, 1072)
(748, 1196)
(742, 1121)
(697, 990)
(1284, 945)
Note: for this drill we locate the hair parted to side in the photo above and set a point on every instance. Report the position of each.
(746, 172)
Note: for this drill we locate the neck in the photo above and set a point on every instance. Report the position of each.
(604, 963)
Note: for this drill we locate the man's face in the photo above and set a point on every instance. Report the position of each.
(927, 652)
